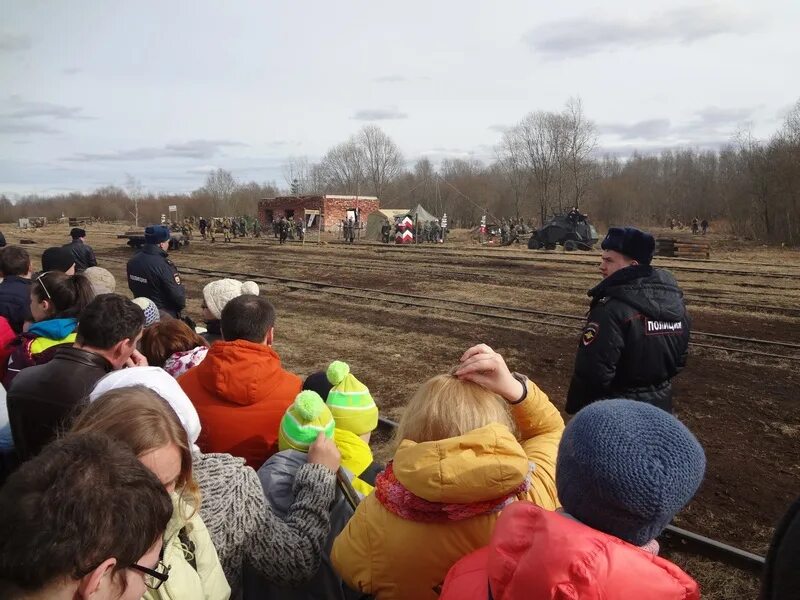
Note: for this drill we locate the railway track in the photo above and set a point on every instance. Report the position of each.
(763, 349)
(386, 266)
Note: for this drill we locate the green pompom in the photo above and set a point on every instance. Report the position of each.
(308, 405)
(337, 371)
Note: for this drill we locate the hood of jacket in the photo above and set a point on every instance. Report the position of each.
(536, 553)
(242, 372)
(480, 465)
(654, 292)
(54, 329)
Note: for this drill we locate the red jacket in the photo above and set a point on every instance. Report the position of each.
(240, 392)
(543, 555)
(7, 336)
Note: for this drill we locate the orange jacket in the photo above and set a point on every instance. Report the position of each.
(240, 392)
(545, 555)
(391, 558)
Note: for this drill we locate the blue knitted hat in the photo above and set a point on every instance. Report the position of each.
(626, 468)
(155, 234)
(633, 243)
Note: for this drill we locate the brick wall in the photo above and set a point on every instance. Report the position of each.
(334, 209)
(270, 209)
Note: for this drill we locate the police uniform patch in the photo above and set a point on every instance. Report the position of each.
(177, 279)
(590, 333)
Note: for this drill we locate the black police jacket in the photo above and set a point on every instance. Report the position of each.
(152, 275)
(635, 340)
(82, 254)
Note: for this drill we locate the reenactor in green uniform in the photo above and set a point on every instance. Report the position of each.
(226, 229)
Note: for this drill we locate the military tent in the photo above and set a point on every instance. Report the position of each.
(377, 218)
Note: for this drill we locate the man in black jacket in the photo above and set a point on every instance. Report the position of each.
(43, 398)
(637, 334)
(152, 275)
(81, 251)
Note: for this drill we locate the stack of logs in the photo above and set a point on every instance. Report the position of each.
(683, 247)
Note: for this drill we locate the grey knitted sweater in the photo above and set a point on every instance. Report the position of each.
(244, 528)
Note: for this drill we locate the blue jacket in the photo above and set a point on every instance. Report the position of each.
(15, 301)
(152, 275)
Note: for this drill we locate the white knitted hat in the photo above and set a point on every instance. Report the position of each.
(163, 384)
(102, 280)
(151, 314)
(218, 293)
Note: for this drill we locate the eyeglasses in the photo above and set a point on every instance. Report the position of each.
(41, 283)
(153, 578)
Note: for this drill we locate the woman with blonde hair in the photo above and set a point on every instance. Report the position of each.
(468, 445)
(142, 420)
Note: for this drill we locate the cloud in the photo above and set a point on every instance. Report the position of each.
(24, 127)
(710, 123)
(205, 169)
(14, 42)
(71, 71)
(28, 109)
(199, 149)
(628, 150)
(588, 35)
(378, 114)
(390, 79)
(499, 128)
(399, 79)
(649, 128)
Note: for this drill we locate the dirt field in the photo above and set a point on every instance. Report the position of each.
(744, 408)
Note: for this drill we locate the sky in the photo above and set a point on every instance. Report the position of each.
(93, 92)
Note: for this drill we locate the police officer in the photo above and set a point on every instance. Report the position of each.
(152, 275)
(81, 251)
(637, 334)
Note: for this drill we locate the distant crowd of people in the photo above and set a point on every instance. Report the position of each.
(144, 457)
(698, 226)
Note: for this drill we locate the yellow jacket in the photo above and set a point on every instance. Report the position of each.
(391, 558)
(208, 581)
(356, 457)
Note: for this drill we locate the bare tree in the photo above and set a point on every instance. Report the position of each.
(297, 173)
(382, 159)
(135, 192)
(511, 160)
(581, 141)
(344, 167)
(221, 185)
(538, 136)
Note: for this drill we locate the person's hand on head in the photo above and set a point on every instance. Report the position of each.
(137, 359)
(482, 365)
(324, 452)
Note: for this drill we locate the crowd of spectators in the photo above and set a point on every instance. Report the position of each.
(140, 458)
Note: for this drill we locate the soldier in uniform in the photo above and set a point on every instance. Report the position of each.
(257, 228)
(386, 231)
(283, 229)
(226, 229)
(153, 275)
(636, 338)
(203, 225)
(351, 230)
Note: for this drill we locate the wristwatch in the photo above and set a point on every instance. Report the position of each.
(524, 381)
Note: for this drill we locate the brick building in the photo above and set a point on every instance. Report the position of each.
(333, 209)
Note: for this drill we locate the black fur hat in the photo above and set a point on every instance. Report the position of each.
(633, 243)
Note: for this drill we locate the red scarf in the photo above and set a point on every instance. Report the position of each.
(406, 505)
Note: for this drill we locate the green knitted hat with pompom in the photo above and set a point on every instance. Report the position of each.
(350, 401)
(303, 421)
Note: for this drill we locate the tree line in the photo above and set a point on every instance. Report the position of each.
(546, 163)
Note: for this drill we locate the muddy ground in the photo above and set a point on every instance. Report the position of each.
(745, 410)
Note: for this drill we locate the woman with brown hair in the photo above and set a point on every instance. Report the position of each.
(57, 301)
(468, 445)
(143, 421)
(174, 346)
(238, 518)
